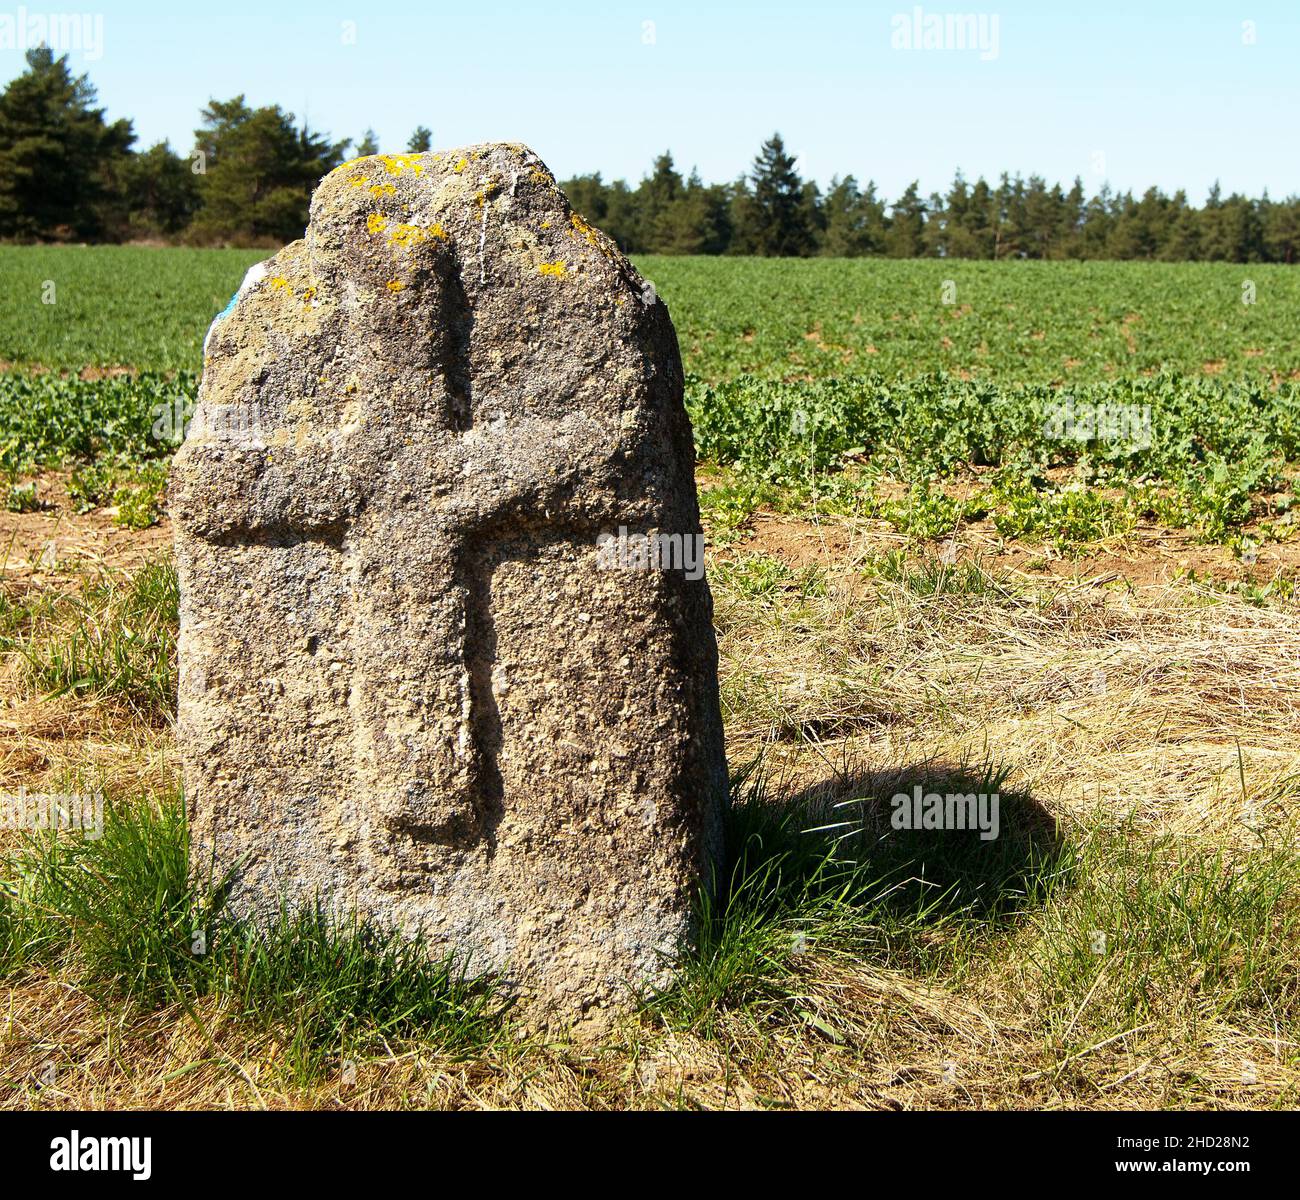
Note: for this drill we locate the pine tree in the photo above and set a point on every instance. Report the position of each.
(61, 162)
(420, 141)
(162, 192)
(261, 170)
(905, 236)
(845, 234)
(656, 196)
(777, 214)
(1282, 230)
(694, 222)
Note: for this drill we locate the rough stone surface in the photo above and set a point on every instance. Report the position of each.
(407, 686)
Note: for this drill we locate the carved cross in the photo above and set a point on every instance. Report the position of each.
(419, 487)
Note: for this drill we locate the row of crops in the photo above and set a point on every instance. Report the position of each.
(1067, 402)
(791, 319)
(1195, 453)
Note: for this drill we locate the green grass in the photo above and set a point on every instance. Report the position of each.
(761, 578)
(1108, 929)
(930, 575)
(816, 873)
(114, 641)
(1160, 929)
(128, 916)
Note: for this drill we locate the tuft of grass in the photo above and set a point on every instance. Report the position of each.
(780, 880)
(19, 612)
(761, 577)
(130, 918)
(929, 575)
(124, 901)
(336, 984)
(1161, 930)
(115, 641)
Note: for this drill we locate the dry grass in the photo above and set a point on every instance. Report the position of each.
(1158, 728)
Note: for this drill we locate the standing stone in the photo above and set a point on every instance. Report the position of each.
(417, 681)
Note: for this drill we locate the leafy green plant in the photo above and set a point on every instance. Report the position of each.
(92, 485)
(140, 504)
(49, 420)
(22, 498)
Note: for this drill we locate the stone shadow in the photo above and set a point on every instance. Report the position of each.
(923, 871)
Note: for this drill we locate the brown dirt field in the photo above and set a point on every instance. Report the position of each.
(37, 545)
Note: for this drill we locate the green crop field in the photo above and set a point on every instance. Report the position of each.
(1008, 321)
(68, 307)
(810, 381)
(779, 319)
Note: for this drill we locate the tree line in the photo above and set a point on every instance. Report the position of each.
(773, 211)
(67, 173)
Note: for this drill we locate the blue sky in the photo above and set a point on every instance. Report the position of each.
(1176, 94)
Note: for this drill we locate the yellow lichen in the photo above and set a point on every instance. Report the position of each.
(460, 166)
(590, 234)
(395, 164)
(382, 189)
(376, 224)
(546, 224)
(406, 236)
(394, 285)
(556, 269)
